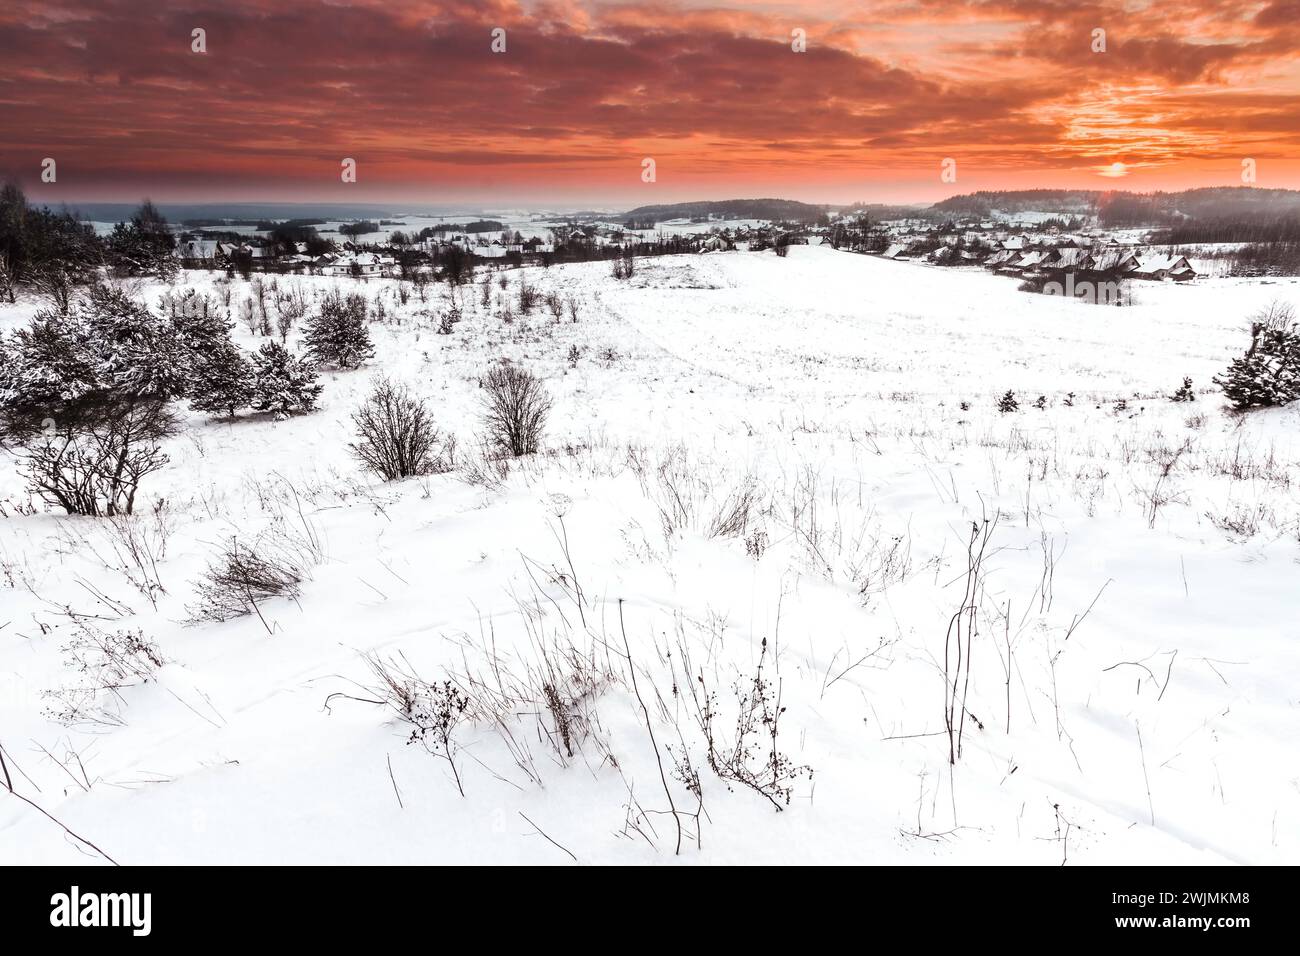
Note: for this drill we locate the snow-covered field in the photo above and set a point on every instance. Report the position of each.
(755, 469)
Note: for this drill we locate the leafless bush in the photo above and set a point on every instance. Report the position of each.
(887, 561)
(528, 297)
(1241, 521)
(275, 564)
(396, 437)
(624, 266)
(290, 308)
(556, 305)
(56, 286)
(139, 543)
(1277, 316)
(485, 467)
(106, 663)
(566, 683)
(516, 407)
(752, 757)
(1160, 493)
(732, 517)
(434, 711)
(96, 468)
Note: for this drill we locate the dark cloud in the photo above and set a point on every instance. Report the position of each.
(413, 92)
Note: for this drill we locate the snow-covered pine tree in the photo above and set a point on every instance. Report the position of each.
(222, 379)
(282, 382)
(338, 335)
(199, 319)
(140, 353)
(1269, 373)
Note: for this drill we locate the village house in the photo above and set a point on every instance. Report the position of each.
(362, 264)
(1176, 268)
(198, 253)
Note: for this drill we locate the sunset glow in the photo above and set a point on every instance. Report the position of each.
(1015, 92)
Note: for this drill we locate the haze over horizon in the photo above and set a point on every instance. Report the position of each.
(1012, 90)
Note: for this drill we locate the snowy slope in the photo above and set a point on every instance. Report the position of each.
(765, 461)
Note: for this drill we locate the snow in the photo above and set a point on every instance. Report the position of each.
(829, 387)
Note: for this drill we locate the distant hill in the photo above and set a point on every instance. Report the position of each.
(1119, 207)
(787, 209)
(1223, 202)
(984, 202)
(884, 211)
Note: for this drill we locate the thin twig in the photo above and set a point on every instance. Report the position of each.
(1142, 751)
(631, 666)
(543, 833)
(394, 779)
(75, 836)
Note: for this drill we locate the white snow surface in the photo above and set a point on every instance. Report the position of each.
(1132, 693)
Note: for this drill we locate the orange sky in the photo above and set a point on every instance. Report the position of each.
(1009, 89)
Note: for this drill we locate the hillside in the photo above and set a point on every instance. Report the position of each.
(1122, 208)
(775, 209)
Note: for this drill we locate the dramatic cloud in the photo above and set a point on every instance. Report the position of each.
(1014, 90)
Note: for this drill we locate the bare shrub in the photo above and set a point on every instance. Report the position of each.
(105, 663)
(290, 309)
(528, 297)
(624, 266)
(732, 517)
(396, 437)
(556, 305)
(434, 711)
(273, 565)
(1160, 492)
(516, 408)
(566, 682)
(139, 543)
(485, 467)
(97, 469)
(751, 758)
(55, 285)
(1241, 521)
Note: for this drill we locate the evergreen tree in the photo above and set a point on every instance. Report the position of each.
(145, 245)
(338, 335)
(222, 380)
(139, 352)
(282, 382)
(1268, 374)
